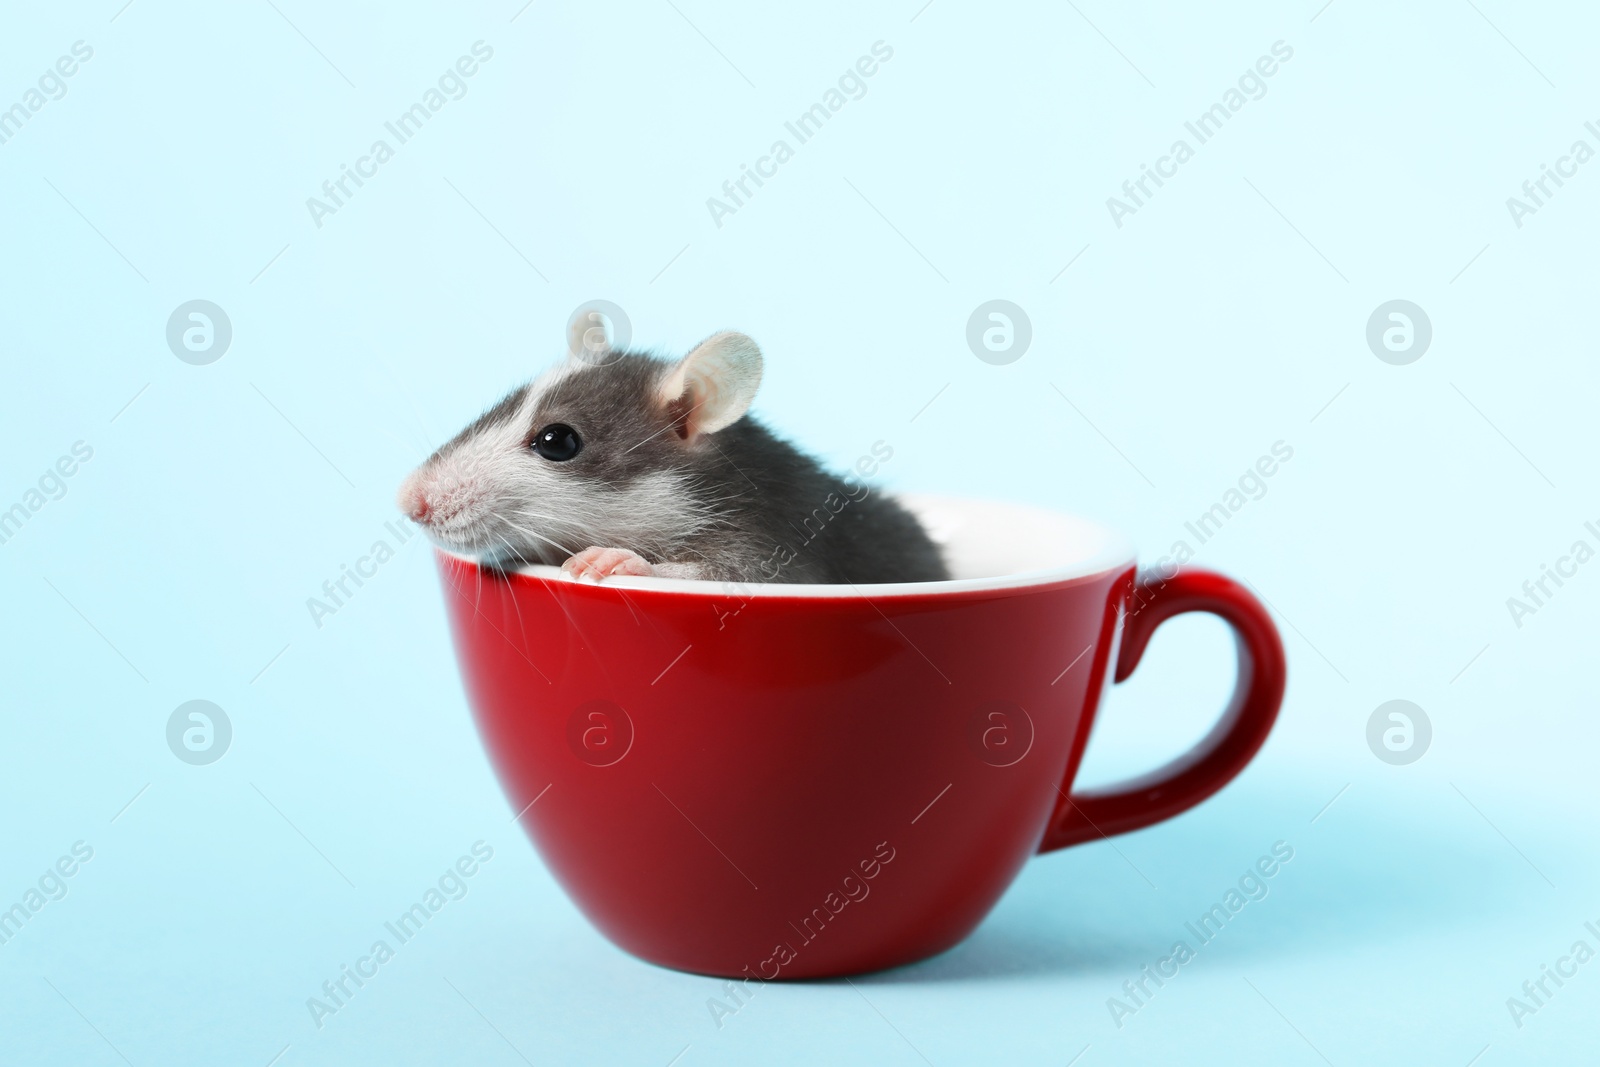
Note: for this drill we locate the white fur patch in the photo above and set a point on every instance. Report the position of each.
(490, 495)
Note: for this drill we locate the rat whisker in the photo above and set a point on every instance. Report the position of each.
(535, 534)
(408, 444)
(515, 601)
(667, 427)
(734, 465)
(477, 595)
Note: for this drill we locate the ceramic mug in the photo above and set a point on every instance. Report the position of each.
(791, 781)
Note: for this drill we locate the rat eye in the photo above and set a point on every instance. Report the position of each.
(558, 442)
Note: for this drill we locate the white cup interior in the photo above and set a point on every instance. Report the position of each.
(986, 540)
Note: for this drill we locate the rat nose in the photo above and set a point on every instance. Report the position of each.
(413, 500)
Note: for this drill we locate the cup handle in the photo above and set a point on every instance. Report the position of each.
(1231, 744)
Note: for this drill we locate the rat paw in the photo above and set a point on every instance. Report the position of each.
(596, 563)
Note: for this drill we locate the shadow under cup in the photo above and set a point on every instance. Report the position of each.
(780, 781)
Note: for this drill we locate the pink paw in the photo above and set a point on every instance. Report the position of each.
(597, 563)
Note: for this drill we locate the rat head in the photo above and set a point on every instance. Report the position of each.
(597, 451)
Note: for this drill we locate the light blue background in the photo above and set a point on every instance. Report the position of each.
(1227, 314)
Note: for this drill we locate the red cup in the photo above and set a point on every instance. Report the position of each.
(783, 781)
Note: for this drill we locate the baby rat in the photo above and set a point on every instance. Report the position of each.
(621, 463)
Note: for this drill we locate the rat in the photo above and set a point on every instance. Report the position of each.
(625, 463)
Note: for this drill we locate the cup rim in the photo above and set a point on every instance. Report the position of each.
(1100, 550)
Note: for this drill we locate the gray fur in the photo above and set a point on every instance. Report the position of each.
(739, 504)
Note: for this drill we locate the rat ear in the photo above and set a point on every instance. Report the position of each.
(712, 386)
(587, 338)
